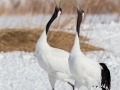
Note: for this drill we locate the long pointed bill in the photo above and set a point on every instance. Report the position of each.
(55, 3)
(75, 5)
(79, 5)
(60, 3)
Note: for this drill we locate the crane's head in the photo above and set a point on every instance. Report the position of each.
(58, 10)
(80, 13)
(56, 14)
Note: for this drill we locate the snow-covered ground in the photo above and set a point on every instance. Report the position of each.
(39, 21)
(104, 35)
(20, 70)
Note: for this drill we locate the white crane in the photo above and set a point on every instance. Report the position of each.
(87, 72)
(54, 61)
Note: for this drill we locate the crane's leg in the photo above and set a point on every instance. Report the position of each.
(71, 85)
(52, 80)
(77, 85)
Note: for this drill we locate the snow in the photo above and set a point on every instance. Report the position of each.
(104, 35)
(26, 21)
(21, 71)
(39, 21)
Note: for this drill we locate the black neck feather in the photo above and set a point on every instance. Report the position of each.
(54, 16)
(79, 20)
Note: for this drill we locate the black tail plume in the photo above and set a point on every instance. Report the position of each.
(105, 77)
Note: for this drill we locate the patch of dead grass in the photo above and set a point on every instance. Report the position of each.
(25, 40)
(44, 6)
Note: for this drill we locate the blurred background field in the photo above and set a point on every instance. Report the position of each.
(46, 6)
(20, 17)
(25, 40)
(21, 24)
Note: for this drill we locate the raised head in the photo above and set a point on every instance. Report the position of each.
(80, 13)
(57, 13)
(58, 10)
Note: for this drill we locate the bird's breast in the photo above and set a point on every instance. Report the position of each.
(42, 60)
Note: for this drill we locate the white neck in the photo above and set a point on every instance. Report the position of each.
(76, 46)
(42, 41)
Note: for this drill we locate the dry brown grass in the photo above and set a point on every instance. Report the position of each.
(46, 6)
(25, 40)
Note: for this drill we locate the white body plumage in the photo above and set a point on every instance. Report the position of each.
(86, 71)
(54, 61)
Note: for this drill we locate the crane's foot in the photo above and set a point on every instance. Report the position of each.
(71, 85)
